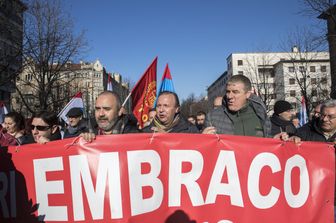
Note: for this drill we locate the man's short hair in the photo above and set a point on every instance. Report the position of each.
(328, 104)
(242, 79)
(200, 113)
(177, 101)
(115, 95)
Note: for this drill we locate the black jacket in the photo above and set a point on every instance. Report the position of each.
(280, 125)
(73, 132)
(312, 132)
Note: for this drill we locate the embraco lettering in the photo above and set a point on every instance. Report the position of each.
(108, 175)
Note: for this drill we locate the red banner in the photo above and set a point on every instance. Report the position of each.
(169, 178)
(144, 94)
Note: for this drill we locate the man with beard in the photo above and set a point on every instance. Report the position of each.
(109, 118)
(282, 118)
(168, 117)
(200, 120)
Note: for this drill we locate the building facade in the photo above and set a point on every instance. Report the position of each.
(217, 88)
(284, 76)
(11, 36)
(86, 77)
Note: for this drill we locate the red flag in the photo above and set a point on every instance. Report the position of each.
(144, 94)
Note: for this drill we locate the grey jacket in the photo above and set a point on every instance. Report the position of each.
(220, 119)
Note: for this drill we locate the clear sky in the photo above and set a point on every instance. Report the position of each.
(194, 36)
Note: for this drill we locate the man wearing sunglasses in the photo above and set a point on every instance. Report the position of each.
(44, 128)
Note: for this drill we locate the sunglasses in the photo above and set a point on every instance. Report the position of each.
(40, 127)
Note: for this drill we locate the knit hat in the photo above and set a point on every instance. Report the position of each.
(74, 112)
(281, 106)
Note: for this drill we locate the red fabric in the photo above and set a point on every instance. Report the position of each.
(6, 139)
(161, 160)
(144, 94)
(166, 74)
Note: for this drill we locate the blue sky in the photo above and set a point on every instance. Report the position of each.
(194, 36)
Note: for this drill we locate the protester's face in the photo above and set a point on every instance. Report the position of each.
(328, 119)
(192, 120)
(40, 128)
(236, 96)
(166, 108)
(200, 119)
(73, 121)
(106, 111)
(151, 116)
(287, 115)
(317, 111)
(10, 125)
(296, 122)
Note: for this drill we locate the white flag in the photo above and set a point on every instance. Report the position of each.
(75, 102)
(109, 83)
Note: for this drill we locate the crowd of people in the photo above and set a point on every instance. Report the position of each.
(238, 112)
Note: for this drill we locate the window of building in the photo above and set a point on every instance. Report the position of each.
(240, 62)
(291, 81)
(291, 69)
(292, 93)
(29, 77)
(324, 80)
(323, 68)
(302, 69)
(229, 65)
(241, 72)
(312, 69)
(313, 81)
(314, 92)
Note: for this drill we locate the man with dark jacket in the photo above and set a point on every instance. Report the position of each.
(322, 128)
(242, 113)
(282, 118)
(109, 118)
(77, 124)
(168, 117)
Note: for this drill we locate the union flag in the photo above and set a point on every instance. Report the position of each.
(144, 94)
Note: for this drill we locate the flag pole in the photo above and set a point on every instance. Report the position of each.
(129, 95)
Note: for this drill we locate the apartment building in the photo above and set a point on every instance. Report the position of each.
(90, 78)
(283, 75)
(11, 35)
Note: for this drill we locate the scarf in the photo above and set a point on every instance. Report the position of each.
(168, 127)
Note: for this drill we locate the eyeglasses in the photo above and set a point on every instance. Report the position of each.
(329, 117)
(40, 127)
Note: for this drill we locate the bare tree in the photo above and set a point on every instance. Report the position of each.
(326, 10)
(306, 67)
(49, 47)
(193, 104)
(261, 73)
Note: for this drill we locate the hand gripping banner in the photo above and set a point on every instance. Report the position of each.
(168, 178)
